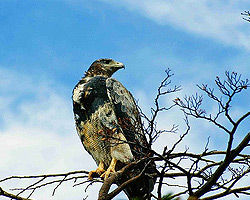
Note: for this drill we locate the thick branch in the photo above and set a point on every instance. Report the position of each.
(103, 193)
(225, 193)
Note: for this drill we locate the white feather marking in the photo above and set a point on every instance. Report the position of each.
(79, 90)
(77, 116)
(77, 93)
(120, 149)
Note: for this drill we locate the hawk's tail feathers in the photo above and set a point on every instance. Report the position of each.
(141, 188)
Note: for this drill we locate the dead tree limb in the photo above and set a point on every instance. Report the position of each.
(12, 196)
(246, 15)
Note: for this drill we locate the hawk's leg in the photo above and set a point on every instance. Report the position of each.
(111, 169)
(100, 170)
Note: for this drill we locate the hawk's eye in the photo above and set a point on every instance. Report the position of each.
(107, 61)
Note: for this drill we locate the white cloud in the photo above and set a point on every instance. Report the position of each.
(220, 20)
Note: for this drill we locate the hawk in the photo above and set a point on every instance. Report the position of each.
(109, 125)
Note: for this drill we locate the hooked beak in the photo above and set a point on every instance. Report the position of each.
(120, 65)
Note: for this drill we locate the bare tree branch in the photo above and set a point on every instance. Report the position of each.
(246, 15)
(12, 196)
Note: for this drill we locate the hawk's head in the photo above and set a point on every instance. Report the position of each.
(104, 67)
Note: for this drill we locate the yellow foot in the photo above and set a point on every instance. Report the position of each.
(100, 170)
(111, 169)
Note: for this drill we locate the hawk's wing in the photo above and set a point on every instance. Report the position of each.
(128, 116)
(130, 121)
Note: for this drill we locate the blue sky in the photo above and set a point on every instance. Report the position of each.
(46, 46)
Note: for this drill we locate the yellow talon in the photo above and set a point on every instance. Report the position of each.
(100, 170)
(111, 169)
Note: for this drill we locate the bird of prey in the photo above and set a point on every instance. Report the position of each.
(109, 126)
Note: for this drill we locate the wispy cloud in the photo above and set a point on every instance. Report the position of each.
(219, 20)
